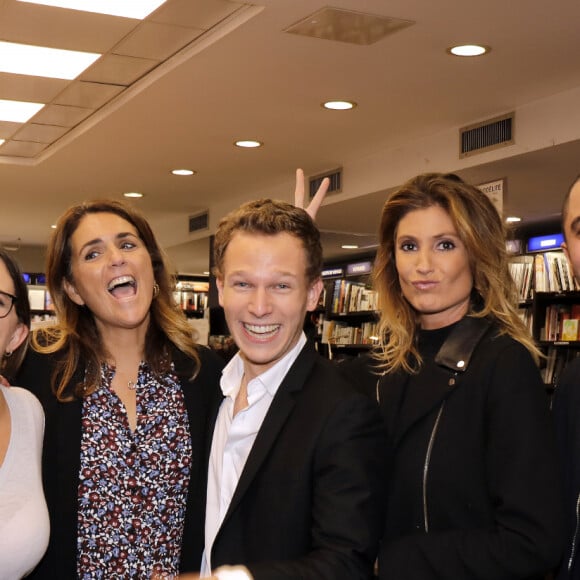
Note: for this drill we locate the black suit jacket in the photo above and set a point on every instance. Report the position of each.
(309, 500)
(61, 458)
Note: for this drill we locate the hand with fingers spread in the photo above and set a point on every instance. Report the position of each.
(318, 198)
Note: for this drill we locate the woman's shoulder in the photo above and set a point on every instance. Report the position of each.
(24, 399)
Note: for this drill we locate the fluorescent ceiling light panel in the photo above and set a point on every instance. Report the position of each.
(39, 61)
(127, 8)
(18, 111)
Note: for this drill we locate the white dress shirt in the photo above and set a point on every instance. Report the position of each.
(233, 438)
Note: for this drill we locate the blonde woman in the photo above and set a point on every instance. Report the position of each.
(474, 489)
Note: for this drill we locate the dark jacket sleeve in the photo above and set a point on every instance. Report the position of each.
(525, 537)
(567, 423)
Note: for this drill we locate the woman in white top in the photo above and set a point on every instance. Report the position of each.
(24, 524)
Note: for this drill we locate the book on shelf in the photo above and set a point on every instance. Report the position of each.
(349, 297)
(337, 332)
(522, 271)
(552, 273)
(561, 322)
(570, 329)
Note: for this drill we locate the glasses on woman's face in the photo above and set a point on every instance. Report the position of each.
(6, 303)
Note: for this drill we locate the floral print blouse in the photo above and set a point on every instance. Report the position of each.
(133, 484)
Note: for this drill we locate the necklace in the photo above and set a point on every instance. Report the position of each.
(132, 385)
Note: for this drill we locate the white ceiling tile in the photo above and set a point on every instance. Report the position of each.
(67, 29)
(61, 115)
(40, 133)
(203, 14)
(156, 41)
(22, 148)
(115, 69)
(87, 95)
(28, 88)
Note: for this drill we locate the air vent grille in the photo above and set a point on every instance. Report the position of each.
(335, 177)
(486, 136)
(198, 222)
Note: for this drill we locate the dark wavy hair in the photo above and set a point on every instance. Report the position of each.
(75, 335)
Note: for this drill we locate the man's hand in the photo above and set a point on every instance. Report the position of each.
(318, 198)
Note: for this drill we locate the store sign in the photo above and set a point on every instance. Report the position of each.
(543, 243)
(332, 272)
(359, 268)
(495, 190)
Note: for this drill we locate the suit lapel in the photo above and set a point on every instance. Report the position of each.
(281, 407)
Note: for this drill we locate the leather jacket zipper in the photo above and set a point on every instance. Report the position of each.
(426, 467)
(575, 536)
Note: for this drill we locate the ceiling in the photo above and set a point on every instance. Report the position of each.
(177, 89)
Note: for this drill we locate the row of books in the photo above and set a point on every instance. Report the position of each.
(553, 273)
(348, 297)
(522, 271)
(562, 322)
(337, 332)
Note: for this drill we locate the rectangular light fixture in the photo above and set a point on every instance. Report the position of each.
(138, 9)
(18, 111)
(39, 61)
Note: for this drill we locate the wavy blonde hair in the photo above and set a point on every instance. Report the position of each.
(480, 228)
(76, 336)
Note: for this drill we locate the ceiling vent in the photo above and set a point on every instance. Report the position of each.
(335, 186)
(199, 221)
(348, 26)
(486, 136)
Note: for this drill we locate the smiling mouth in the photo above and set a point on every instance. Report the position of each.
(261, 330)
(122, 286)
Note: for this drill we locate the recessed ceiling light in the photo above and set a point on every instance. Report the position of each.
(18, 111)
(513, 219)
(2, 141)
(339, 105)
(127, 8)
(248, 143)
(468, 50)
(53, 226)
(349, 247)
(134, 194)
(39, 61)
(182, 172)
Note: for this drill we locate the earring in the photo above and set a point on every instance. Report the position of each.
(155, 290)
(8, 354)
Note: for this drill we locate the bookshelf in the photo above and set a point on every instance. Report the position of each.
(347, 319)
(550, 306)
